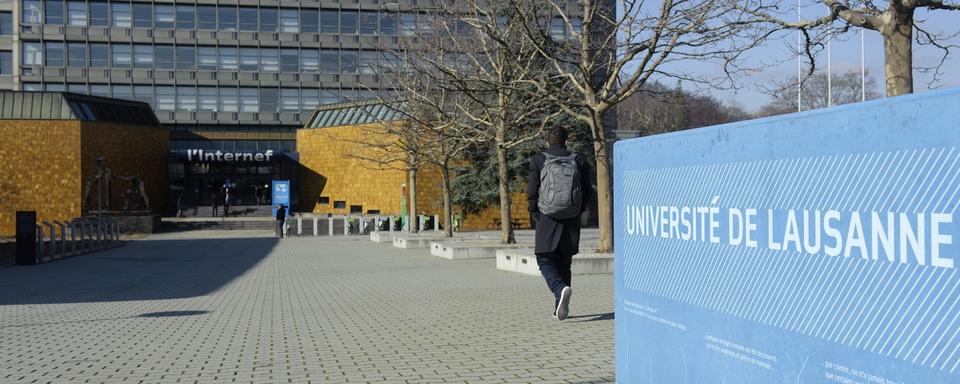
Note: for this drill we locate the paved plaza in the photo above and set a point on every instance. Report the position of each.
(222, 307)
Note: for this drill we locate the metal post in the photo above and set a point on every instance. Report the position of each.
(436, 223)
(39, 243)
(299, 225)
(346, 225)
(73, 237)
(314, 226)
(330, 226)
(376, 224)
(63, 238)
(390, 222)
(53, 239)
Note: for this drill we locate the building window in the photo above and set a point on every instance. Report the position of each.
(228, 59)
(142, 15)
(6, 62)
(77, 88)
(186, 99)
(388, 24)
(309, 99)
(186, 58)
(227, 18)
(53, 54)
(329, 61)
(289, 20)
(77, 55)
(99, 14)
(408, 25)
(348, 22)
(368, 62)
(268, 19)
(207, 58)
(54, 11)
(55, 87)
(207, 98)
(248, 19)
(249, 60)
(32, 12)
(32, 87)
(329, 21)
(310, 60)
(269, 60)
(348, 62)
(144, 94)
(206, 17)
(99, 56)
(166, 99)
(269, 100)
(368, 23)
(100, 90)
(249, 100)
(289, 60)
(143, 56)
(164, 16)
(121, 55)
(77, 13)
(557, 29)
(290, 100)
(122, 92)
(164, 56)
(228, 99)
(185, 17)
(309, 21)
(121, 14)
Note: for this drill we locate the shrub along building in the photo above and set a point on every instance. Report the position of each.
(350, 163)
(54, 145)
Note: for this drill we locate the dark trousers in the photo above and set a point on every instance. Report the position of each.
(279, 230)
(555, 268)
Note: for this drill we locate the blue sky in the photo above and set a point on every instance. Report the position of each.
(845, 57)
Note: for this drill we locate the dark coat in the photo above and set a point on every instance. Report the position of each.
(549, 231)
(281, 213)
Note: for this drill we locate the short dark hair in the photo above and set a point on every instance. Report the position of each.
(557, 135)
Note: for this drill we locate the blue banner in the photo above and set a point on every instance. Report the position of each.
(281, 195)
(817, 247)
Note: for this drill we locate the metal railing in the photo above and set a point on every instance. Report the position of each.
(77, 236)
(352, 224)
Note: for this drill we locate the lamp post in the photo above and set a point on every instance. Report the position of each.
(99, 183)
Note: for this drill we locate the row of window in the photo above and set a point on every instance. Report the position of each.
(216, 17)
(215, 99)
(119, 55)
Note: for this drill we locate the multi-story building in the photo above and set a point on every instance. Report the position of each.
(234, 76)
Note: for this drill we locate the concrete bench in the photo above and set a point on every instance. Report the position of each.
(485, 249)
(524, 261)
(381, 237)
(423, 240)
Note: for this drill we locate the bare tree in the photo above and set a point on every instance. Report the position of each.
(490, 69)
(844, 86)
(607, 50)
(894, 19)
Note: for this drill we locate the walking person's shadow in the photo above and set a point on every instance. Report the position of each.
(593, 317)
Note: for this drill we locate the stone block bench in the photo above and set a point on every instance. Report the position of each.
(524, 261)
(471, 249)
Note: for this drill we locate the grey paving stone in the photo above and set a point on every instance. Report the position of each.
(190, 308)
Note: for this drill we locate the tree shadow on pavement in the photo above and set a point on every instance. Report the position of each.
(593, 317)
(142, 270)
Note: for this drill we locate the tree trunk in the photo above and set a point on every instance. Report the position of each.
(604, 183)
(447, 213)
(898, 53)
(412, 214)
(506, 229)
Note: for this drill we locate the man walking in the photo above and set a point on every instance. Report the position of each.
(281, 220)
(558, 191)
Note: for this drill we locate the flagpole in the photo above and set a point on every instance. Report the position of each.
(799, 63)
(863, 69)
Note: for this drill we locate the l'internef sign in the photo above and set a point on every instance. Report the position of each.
(200, 155)
(819, 247)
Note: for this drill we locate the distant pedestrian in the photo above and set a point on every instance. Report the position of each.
(558, 191)
(179, 204)
(226, 200)
(281, 220)
(214, 204)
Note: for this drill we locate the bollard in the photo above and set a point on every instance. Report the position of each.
(376, 224)
(330, 225)
(346, 226)
(52, 244)
(87, 234)
(39, 243)
(73, 237)
(314, 226)
(363, 225)
(299, 225)
(436, 223)
(390, 219)
(63, 238)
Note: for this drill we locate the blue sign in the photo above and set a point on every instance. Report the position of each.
(818, 247)
(281, 195)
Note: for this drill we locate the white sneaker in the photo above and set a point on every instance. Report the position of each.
(563, 308)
